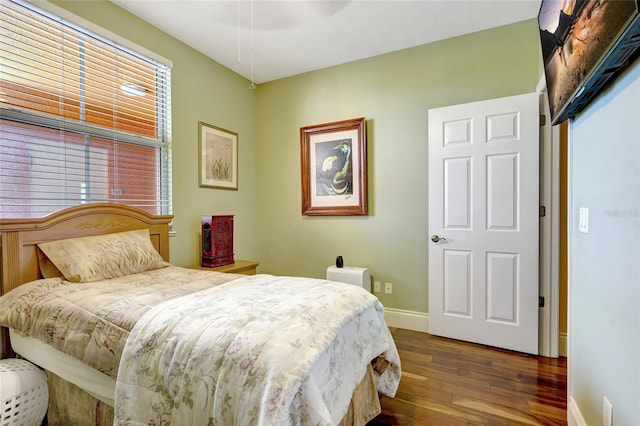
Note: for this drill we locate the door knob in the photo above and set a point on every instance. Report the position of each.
(437, 238)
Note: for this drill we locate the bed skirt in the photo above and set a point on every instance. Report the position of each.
(70, 405)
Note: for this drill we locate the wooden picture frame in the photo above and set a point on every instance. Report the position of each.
(334, 168)
(218, 157)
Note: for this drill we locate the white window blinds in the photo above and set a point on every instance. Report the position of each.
(82, 119)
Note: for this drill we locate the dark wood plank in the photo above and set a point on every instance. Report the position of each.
(448, 382)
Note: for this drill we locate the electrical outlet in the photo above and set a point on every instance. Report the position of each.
(388, 288)
(376, 286)
(607, 412)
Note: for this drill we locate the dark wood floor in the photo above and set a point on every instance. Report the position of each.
(448, 382)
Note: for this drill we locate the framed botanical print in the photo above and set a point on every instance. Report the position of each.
(218, 155)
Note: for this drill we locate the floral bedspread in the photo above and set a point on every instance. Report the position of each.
(262, 350)
(92, 321)
(259, 349)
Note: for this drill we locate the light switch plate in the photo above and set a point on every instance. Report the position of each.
(583, 220)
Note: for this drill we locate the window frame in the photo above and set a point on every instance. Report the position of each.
(161, 143)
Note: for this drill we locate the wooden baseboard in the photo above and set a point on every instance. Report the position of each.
(563, 341)
(409, 320)
(574, 416)
(419, 321)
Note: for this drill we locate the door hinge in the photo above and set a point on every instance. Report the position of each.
(542, 211)
(540, 301)
(543, 120)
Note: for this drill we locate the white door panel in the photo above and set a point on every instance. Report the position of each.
(483, 200)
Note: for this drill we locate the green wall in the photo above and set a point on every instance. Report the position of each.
(393, 92)
(202, 90)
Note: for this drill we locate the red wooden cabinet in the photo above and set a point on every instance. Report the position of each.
(217, 240)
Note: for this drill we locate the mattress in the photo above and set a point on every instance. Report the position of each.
(98, 384)
(95, 383)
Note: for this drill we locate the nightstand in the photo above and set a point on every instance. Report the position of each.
(246, 267)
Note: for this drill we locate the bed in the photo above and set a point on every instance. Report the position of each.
(127, 338)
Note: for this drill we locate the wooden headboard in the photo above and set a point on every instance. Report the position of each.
(18, 237)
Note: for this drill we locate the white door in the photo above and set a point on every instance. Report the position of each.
(483, 206)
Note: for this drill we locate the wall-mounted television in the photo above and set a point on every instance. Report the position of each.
(585, 45)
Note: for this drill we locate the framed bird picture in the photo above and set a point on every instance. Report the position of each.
(334, 168)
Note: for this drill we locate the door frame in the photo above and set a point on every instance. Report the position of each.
(548, 329)
(466, 300)
(549, 260)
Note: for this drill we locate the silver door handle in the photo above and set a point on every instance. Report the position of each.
(437, 238)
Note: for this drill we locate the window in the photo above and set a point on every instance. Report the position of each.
(82, 118)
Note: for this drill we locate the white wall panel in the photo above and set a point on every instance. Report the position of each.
(503, 173)
(456, 132)
(502, 287)
(457, 193)
(457, 282)
(503, 127)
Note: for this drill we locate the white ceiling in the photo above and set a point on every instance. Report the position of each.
(272, 39)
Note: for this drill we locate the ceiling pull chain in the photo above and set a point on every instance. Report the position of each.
(252, 86)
